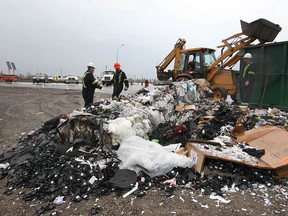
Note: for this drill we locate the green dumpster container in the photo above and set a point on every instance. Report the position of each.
(271, 79)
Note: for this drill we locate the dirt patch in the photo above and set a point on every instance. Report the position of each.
(25, 109)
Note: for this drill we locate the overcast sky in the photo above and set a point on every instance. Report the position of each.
(65, 35)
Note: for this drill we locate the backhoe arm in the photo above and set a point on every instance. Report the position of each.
(230, 53)
(174, 54)
(261, 29)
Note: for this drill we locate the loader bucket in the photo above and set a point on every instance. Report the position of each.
(262, 29)
(163, 76)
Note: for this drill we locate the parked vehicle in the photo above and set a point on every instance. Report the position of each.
(71, 79)
(9, 78)
(39, 77)
(57, 78)
(107, 77)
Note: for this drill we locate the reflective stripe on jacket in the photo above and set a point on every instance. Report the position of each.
(250, 72)
(89, 80)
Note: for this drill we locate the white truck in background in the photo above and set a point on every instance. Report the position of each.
(107, 76)
(72, 79)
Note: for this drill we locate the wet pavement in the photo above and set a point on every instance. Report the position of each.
(106, 89)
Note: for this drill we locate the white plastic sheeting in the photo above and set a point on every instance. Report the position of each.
(143, 113)
(138, 154)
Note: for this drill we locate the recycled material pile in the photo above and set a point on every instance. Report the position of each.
(94, 151)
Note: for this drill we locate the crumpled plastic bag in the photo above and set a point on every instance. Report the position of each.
(187, 91)
(143, 155)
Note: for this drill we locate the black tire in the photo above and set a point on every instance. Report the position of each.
(234, 97)
(219, 92)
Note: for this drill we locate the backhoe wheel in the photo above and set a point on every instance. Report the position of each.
(234, 97)
(220, 92)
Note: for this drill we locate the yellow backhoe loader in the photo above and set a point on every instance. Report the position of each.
(201, 62)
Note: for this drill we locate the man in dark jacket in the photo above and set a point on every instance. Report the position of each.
(118, 79)
(247, 77)
(89, 83)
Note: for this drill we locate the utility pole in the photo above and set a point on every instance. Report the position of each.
(118, 51)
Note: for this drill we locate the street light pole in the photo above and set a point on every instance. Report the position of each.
(118, 51)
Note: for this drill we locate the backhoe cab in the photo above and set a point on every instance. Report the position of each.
(201, 62)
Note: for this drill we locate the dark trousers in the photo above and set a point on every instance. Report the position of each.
(88, 97)
(245, 91)
(117, 90)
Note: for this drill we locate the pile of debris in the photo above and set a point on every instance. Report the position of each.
(172, 137)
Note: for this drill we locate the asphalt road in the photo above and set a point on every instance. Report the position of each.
(106, 89)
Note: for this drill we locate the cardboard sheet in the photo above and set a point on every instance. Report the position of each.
(179, 107)
(275, 142)
(201, 155)
(273, 139)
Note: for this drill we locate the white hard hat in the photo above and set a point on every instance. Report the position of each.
(91, 65)
(248, 55)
